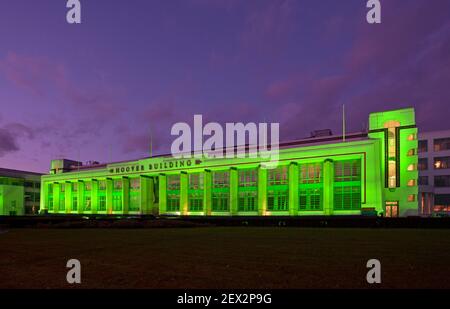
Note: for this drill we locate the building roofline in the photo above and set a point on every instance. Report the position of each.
(283, 145)
(8, 170)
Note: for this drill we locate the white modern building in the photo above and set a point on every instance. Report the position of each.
(434, 173)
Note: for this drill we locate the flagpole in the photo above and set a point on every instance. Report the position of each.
(343, 122)
(151, 142)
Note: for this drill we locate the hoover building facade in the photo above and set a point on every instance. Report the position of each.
(372, 172)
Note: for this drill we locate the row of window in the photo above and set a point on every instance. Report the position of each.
(439, 144)
(439, 181)
(308, 173)
(345, 198)
(87, 185)
(86, 205)
(347, 177)
(439, 163)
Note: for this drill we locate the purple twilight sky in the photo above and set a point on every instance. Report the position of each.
(93, 91)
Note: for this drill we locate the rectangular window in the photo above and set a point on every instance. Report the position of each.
(196, 181)
(411, 167)
(221, 191)
(441, 163)
(75, 187)
(347, 198)
(50, 203)
(102, 185)
(277, 190)
(28, 184)
(347, 185)
(117, 202)
(411, 152)
(87, 203)
(248, 201)
(278, 200)
(135, 194)
(441, 144)
(349, 170)
(422, 146)
(423, 180)
(173, 193)
(134, 201)
(102, 203)
(391, 209)
(220, 201)
(310, 199)
(135, 184)
(278, 176)
(221, 179)
(195, 192)
(173, 202)
(173, 182)
(442, 181)
(248, 178)
(117, 184)
(74, 203)
(62, 201)
(88, 186)
(422, 164)
(310, 186)
(248, 190)
(195, 202)
(411, 183)
(310, 173)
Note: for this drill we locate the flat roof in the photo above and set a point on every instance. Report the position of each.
(14, 173)
(310, 141)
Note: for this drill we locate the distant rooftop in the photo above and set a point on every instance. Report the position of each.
(14, 173)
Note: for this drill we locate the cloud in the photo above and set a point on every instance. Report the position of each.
(10, 135)
(402, 62)
(33, 74)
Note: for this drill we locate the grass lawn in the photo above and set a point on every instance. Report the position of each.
(225, 257)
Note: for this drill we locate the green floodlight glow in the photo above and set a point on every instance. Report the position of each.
(376, 174)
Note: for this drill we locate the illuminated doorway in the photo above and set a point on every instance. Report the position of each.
(391, 209)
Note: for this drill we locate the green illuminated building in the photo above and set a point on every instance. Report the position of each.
(368, 172)
(19, 192)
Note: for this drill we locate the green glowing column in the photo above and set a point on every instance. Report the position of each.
(109, 198)
(207, 197)
(328, 175)
(125, 194)
(56, 193)
(162, 193)
(234, 191)
(184, 187)
(81, 204)
(262, 191)
(44, 191)
(146, 195)
(94, 196)
(293, 189)
(68, 198)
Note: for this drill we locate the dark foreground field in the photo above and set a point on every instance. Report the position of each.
(225, 257)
